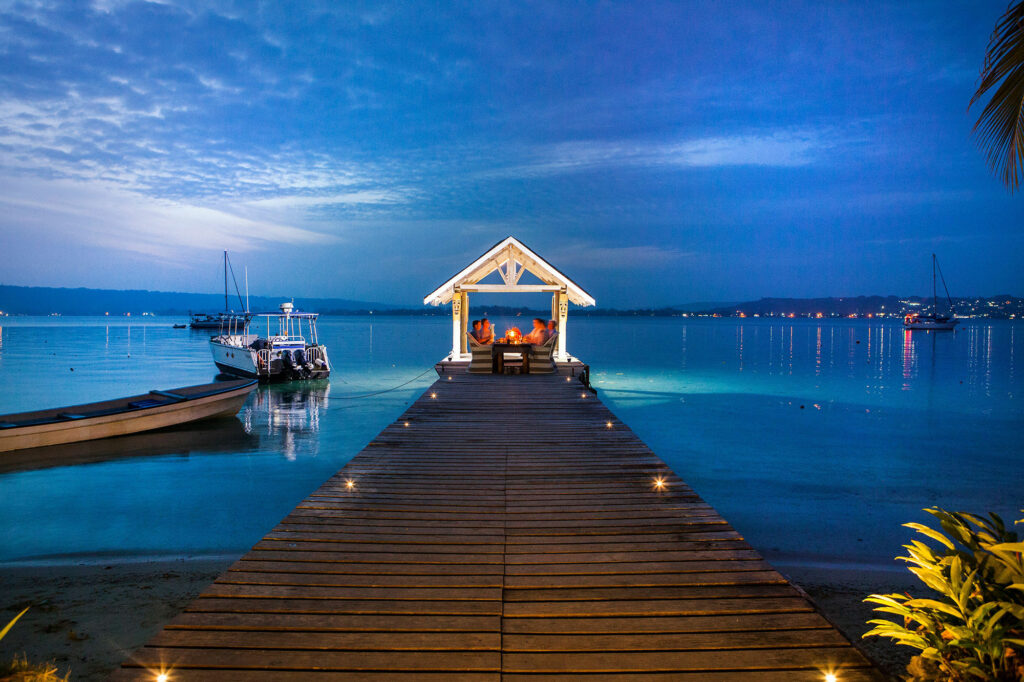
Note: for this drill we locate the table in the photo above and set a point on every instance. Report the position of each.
(498, 351)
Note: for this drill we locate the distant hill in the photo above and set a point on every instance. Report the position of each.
(15, 300)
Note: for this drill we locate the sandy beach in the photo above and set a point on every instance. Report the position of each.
(89, 614)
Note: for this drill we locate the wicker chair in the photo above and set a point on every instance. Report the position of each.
(540, 356)
(481, 360)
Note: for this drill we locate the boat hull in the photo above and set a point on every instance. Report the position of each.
(233, 357)
(225, 400)
(931, 326)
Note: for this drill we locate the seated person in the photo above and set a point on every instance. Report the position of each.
(486, 332)
(552, 328)
(539, 334)
(475, 332)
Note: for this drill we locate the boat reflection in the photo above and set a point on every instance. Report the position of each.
(205, 437)
(286, 417)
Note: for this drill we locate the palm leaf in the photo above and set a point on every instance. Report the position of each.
(7, 628)
(1000, 127)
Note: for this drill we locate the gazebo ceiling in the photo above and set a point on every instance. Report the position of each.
(509, 258)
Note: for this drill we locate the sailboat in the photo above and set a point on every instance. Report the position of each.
(223, 319)
(933, 321)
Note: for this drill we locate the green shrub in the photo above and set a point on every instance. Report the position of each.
(974, 628)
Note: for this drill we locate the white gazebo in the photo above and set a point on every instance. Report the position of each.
(510, 258)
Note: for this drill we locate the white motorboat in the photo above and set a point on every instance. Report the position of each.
(933, 321)
(283, 353)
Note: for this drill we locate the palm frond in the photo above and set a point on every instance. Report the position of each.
(1000, 127)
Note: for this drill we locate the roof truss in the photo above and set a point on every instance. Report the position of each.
(510, 258)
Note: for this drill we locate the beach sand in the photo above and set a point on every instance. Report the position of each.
(839, 591)
(90, 615)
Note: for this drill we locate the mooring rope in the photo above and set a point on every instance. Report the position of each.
(386, 390)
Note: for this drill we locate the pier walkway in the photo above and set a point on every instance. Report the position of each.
(502, 528)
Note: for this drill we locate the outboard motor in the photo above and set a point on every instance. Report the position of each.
(300, 362)
(287, 364)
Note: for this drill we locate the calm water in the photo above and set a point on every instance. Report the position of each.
(816, 440)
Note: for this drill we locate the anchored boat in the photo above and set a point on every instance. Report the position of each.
(282, 354)
(220, 320)
(933, 321)
(155, 410)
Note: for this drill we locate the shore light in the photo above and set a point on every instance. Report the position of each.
(350, 484)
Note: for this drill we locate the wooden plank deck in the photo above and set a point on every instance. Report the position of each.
(501, 529)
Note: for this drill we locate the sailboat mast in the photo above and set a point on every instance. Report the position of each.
(935, 293)
(225, 280)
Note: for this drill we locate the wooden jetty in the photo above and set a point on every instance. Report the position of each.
(504, 527)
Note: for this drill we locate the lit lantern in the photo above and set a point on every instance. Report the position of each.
(350, 484)
(659, 483)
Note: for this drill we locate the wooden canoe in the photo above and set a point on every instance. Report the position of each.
(154, 410)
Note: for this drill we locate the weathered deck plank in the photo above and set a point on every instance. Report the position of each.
(508, 527)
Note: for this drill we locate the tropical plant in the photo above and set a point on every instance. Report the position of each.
(1000, 127)
(20, 670)
(7, 628)
(974, 629)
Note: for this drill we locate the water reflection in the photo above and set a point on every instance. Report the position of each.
(286, 417)
(206, 437)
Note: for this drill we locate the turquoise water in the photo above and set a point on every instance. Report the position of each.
(816, 440)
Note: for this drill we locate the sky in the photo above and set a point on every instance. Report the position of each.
(657, 153)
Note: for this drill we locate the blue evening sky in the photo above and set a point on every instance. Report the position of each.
(658, 153)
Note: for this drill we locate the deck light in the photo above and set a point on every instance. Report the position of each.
(162, 677)
(830, 677)
(433, 395)
(609, 425)
(568, 378)
(583, 395)
(406, 424)
(350, 484)
(449, 378)
(659, 483)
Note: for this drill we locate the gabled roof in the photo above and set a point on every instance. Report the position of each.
(508, 250)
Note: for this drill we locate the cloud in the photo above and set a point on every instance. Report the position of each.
(787, 148)
(601, 257)
(104, 214)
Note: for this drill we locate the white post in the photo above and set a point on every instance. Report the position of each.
(563, 319)
(456, 325)
(463, 339)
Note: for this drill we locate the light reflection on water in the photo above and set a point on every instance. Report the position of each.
(891, 422)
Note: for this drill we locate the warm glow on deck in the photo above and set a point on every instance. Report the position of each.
(659, 483)
(350, 484)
